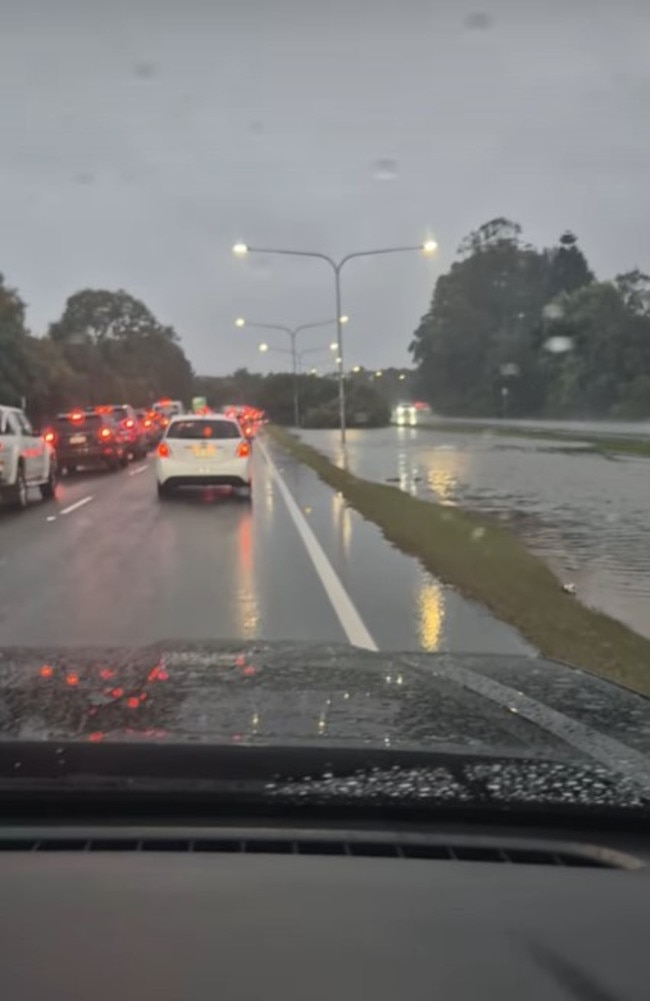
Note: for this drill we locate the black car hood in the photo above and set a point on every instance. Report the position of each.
(284, 692)
(285, 695)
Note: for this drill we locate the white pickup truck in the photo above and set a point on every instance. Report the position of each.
(26, 460)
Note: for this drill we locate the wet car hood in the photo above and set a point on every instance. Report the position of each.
(284, 695)
(281, 692)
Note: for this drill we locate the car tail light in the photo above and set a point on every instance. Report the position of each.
(49, 437)
(105, 433)
(76, 416)
(129, 423)
(243, 450)
(163, 450)
(146, 422)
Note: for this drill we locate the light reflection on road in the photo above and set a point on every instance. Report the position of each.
(246, 605)
(431, 614)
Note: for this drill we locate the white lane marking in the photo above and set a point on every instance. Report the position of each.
(140, 469)
(73, 507)
(51, 517)
(607, 750)
(348, 616)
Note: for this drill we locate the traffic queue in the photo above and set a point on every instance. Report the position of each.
(104, 436)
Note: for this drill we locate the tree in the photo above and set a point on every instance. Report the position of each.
(121, 349)
(481, 345)
(14, 363)
(96, 315)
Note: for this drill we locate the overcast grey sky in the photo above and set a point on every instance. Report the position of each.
(142, 138)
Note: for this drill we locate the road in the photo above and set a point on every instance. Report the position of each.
(108, 563)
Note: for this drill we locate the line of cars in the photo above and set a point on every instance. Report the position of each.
(102, 436)
(196, 449)
(108, 435)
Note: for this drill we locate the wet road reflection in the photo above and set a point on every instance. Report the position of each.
(587, 514)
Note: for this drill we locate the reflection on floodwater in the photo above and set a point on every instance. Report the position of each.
(431, 614)
(342, 520)
(585, 513)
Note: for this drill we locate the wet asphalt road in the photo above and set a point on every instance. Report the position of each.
(587, 514)
(108, 563)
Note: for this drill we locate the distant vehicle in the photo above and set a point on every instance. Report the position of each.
(151, 426)
(168, 408)
(132, 431)
(26, 459)
(83, 438)
(199, 405)
(204, 450)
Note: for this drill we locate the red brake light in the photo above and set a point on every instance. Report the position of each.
(243, 450)
(163, 450)
(146, 422)
(129, 423)
(49, 437)
(76, 416)
(105, 433)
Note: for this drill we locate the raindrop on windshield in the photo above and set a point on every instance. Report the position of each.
(478, 21)
(385, 169)
(553, 311)
(558, 345)
(144, 70)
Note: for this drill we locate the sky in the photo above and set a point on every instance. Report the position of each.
(141, 139)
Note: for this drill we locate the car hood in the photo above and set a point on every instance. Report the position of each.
(285, 692)
(285, 695)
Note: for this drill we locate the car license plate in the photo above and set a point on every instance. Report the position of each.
(204, 451)
(78, 439)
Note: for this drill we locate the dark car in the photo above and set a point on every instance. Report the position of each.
(86, 439)
(152, 429)
(130, 427)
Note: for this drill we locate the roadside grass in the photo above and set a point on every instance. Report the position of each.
(621, 446)
(488, 564)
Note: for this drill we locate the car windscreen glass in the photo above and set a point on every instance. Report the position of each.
(85, 422)
(203, 429)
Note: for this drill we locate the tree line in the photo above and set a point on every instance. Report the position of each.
(517, 330)
(108, 347)
(105, 347)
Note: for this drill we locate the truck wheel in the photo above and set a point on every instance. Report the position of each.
(20, 490)
(48, 489)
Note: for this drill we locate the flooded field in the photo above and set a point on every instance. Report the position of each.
(587, 514)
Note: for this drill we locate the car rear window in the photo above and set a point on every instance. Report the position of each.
(203, 429)
(85, 421)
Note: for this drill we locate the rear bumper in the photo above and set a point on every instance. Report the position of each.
(208, 480)
(102, 453)
(235, 473)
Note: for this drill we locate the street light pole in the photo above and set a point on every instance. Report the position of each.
(428, 247)
(292, 333)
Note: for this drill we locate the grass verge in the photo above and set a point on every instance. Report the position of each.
(488, 564)
(620, 446)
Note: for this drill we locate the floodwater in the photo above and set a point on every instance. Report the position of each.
(586, 514)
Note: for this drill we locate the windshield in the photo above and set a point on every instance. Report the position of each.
(203, 429)
(373, 284)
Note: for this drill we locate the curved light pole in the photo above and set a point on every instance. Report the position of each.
(241, 249)
(292, 332)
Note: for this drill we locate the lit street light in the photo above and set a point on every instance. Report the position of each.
(292, 333)
(428, 247)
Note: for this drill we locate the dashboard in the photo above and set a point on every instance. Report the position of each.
(252, 912)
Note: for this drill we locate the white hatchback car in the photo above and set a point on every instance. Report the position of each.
(204, 450)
